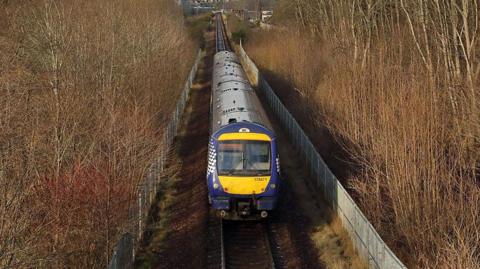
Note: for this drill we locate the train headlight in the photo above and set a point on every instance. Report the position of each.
(216, 186)
(273, 186)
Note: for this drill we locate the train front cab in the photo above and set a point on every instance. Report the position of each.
(243, 174)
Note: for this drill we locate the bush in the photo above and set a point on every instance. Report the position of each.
(85, 89)
(197, 26)
(239, 35)
(411, 122)
(240, 29)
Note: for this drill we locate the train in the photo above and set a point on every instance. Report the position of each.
(243, 174)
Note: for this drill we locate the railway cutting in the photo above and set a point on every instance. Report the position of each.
(192, 233)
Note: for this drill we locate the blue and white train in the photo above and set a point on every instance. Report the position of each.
(243, 174)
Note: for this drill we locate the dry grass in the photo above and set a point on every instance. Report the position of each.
(415, 135)
(85, 87)
(333, 245)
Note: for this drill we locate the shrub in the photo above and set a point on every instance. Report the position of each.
(408, 118)
(85, 90)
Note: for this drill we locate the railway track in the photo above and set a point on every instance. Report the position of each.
(246, 245)
(221, 37)
(237, 244)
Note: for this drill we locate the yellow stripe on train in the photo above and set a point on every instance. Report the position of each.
(244, 136)
(244, 185)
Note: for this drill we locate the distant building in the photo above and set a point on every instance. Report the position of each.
(266, 15)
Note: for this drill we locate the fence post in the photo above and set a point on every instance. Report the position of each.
(139, 216)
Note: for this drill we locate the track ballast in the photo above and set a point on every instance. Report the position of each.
(246, 245)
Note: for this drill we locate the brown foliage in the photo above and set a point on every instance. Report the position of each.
(406, 103)
(85, 88)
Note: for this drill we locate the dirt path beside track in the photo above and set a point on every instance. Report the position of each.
(178, 230)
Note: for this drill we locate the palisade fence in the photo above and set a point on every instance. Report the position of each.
(124, 252)
(366, 239)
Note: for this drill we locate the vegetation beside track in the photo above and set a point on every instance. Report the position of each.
(85, 88)
(240, 29)
(197, 26)
(394, 106)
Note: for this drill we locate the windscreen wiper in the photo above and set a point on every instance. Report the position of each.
(244, 161)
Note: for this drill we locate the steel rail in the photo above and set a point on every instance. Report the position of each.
(221, 37)
(246, 245)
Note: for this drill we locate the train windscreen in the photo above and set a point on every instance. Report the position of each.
(243, 158)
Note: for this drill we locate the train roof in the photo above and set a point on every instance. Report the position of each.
(233, 98)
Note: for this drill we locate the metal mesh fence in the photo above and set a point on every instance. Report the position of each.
(365, 238)
(124, 252)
